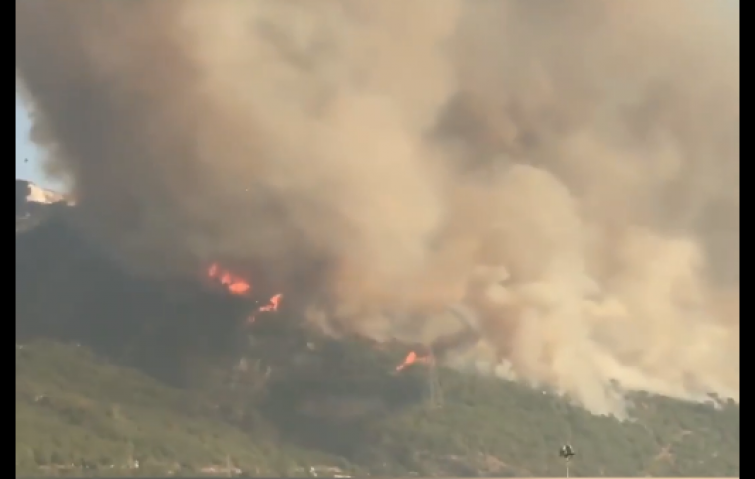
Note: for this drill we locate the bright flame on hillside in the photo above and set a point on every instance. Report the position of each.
(413, 358)
(239, 286)
(234, 284)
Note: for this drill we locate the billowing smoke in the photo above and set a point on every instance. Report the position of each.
(568, 171)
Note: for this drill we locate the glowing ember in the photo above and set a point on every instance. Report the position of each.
(413, 358)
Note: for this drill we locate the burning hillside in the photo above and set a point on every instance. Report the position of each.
(277, 394)
(541, 165)
(240, 286)
(67, 288)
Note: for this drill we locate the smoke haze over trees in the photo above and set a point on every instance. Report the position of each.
(566, 170)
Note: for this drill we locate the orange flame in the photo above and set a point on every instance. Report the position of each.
(239, 286)
(271, 306)
(233, 283)
(413, 358)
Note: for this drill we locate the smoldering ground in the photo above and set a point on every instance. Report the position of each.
(568, 170)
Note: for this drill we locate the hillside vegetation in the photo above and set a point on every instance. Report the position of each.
(119, 376)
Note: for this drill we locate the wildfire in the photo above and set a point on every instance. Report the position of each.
(239, 286)
(413, 358)
(271, 306)
(233, 283)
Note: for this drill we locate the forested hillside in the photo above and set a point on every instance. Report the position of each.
(121, 376)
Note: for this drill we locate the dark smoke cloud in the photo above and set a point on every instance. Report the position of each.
(567, 170)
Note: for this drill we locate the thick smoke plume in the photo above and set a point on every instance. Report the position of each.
(568, 171)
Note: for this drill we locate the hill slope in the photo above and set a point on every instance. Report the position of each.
(113, 371)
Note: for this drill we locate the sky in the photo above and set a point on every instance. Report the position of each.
(25, 149)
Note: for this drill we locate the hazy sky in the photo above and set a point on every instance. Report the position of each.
(26, 150)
